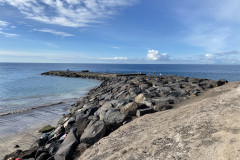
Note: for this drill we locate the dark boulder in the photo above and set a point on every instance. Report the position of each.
(130, 109)
(206, 84)
(144, 86)
(30, 153)
(80, 149)
(113, 116)
(14, 154)
(43, 156)
(67, 147)
(53, 147)
(141, 97)
(93, 132)
(46, 129)
(142, 112)
(60, 130)
(81, 124)
(221, 82)
(39, 151)
(134, 90)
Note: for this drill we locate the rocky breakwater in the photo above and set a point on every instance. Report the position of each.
(117, 101)
(87, 74)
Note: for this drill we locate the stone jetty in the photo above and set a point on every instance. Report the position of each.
(119, 99)
(90, 75)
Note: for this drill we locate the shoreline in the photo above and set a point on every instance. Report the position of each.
(117, 101)
(26, 137)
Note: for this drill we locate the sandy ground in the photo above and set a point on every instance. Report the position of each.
(24, 139)
(204, 127)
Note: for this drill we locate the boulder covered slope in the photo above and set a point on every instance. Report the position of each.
(204, 127)
(130, 102)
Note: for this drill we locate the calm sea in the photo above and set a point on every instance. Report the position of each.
(27, 98)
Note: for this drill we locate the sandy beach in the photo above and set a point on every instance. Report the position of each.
(24, 138)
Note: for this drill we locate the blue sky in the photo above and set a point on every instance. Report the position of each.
(120, 31)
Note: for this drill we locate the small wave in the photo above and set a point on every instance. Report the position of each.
(29, 109)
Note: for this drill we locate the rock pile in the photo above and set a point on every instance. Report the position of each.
(115, 102)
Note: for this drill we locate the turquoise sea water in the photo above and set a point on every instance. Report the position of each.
(27, 98)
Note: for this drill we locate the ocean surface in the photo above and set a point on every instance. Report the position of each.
(27, 98)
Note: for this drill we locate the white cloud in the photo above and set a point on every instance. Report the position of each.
(71, 13)
(228, 53)
(49, 44)
(208, 56)
(116, 58)
(52, 31)
(227, 57)
(115, 47)
(156, 56)
(8, 34)
(5, 25)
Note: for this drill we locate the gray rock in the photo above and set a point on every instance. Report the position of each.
(40, 150)
(130, 97)
(130, 109)
(69, 122)
(58, 132)
(162, 107)
(193, 80)
(122, 103)
(206, 84)
(86, 112)
(142, 112)
(53, 147)
(113, 116)
(120, 95)
(43, 156)
(148, 102)
(67, 147)
(80, 149)
(174, 85)
(88, 106)
(81, 124)
(221, 82)
(144, 86)
(157, 84)
(104, 108)
(196, 92)
(93, 132)
(141, 97)
(164, 90)
(135, 90)
(151, 90)
(46, 129)
(178, 92)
